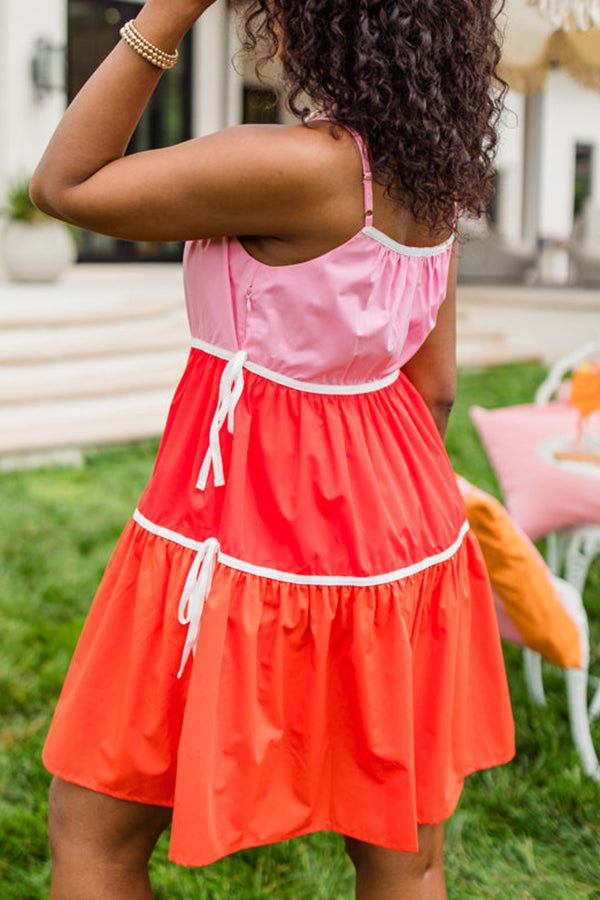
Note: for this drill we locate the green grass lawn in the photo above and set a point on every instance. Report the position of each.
(526, 830)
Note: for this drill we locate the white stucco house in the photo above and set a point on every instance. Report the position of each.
(119, 337)
(548, 162)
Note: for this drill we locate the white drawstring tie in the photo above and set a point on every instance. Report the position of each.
(230, 390)
(194, 594)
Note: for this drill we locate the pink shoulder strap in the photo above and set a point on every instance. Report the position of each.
(367, 176)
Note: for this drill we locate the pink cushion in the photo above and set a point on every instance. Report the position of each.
(541, 493)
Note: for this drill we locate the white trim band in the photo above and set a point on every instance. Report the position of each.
(161, 531)
(310, 387)
(404, 249)
(291, 577)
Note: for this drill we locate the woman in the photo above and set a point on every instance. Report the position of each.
(295, 631)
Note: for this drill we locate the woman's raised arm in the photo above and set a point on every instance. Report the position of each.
(245, 180)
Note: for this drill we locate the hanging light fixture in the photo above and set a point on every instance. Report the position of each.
(48, 67)
(583, 14)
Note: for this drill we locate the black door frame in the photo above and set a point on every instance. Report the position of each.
(157, 128)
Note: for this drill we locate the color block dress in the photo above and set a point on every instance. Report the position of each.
(295, 631)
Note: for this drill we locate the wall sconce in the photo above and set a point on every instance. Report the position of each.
(48, 68)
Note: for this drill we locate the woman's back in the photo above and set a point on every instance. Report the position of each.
(354, 313)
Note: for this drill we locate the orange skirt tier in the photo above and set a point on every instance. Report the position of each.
(335, 664)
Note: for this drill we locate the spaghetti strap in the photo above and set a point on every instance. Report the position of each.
(367, 176)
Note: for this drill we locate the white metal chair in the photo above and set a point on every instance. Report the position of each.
(570, 553)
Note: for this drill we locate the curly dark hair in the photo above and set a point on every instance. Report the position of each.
(416, 78)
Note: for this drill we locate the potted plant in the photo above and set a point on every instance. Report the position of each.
(34, 246)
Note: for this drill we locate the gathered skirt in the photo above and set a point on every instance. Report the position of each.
(346, 670)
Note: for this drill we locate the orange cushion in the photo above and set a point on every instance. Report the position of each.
(522, 580)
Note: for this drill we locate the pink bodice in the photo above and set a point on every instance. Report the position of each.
(350, 316)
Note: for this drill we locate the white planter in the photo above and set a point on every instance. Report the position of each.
(37, 252)
(553, 265)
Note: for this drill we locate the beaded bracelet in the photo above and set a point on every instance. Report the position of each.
(157, 57)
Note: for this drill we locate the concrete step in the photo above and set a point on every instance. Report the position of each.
(467, 334)
(477, 357)
(71, 423)
(95, 376)
(33, 344)
(478, 347)
(543, 323)
(92, 359)
(25, 308)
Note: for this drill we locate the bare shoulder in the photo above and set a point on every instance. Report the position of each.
(310, 182)
(303, 183)
(309, 154)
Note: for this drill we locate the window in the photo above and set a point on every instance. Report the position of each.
(260, 106)
(582, 189)
(93, 32)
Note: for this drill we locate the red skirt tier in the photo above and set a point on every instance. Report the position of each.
(347, 671)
